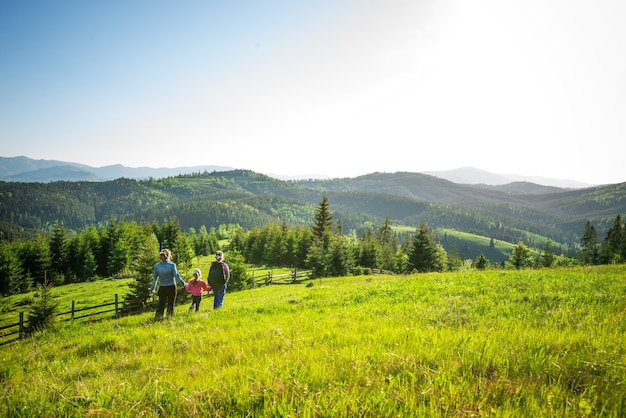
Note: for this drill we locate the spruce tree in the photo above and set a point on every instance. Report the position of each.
(388, 245)
(239, 277)
(59, 253)
(323, 222)
(547, 257)
(425, 255)
(42, 312)
(612, 244)
(481, 262)
(11, 274)
(135, 300)
(520, 257)
(590, 245)
(318, 257)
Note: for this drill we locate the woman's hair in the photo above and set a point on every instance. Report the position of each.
(165, 254)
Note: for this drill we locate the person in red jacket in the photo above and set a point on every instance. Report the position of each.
(195, 287)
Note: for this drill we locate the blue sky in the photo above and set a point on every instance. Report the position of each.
(340, 88)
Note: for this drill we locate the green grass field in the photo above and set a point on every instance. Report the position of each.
(540, 343)
(469, 245)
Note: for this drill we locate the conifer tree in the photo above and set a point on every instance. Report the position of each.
(481, 262)
(34, 256)
(318, 257)
(425, 255)
(323, 222)
(341, 256)
(42, 312)
(369, 250)
(520, 257)
(622, 249)
(239, 277)
(59, 253)
(11, 273)
(89, 264)
(590, 245)
(612, 244)
(135, 300)
(547, 257)
(388, 245)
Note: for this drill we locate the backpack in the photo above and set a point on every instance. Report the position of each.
(216, 275)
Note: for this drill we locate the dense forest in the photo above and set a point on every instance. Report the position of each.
(76, 231)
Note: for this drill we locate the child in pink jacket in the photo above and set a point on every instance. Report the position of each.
(195, 287)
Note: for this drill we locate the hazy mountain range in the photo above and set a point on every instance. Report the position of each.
(24, 169)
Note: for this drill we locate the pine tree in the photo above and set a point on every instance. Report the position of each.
(239, 277)
(481, 262)
(622, 249)
(455, 261)
(135, 300)
(318, 257)
(59, 253)
(369, 250)
(520, 257)
(119, 258)
(612, 244)
(35, 258)
(425, 256)
(42, 312)
(323, 222)
(590, 245)
(547, 257)
(388, 245)
(89, 264)
(341, 256)
(11, 274)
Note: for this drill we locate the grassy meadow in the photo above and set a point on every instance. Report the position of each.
(540, 343)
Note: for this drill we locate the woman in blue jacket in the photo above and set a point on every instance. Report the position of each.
(166, 272)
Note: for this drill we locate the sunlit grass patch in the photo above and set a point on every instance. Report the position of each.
(493, 343)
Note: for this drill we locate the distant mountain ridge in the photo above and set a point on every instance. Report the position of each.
(24, 169)
(510, 213)
(471, 175)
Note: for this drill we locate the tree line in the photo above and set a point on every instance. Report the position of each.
(129, 249)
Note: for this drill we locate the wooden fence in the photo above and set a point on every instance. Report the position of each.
(269, 278)
(19, 328)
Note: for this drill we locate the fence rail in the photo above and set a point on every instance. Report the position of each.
(269, 278)
(19, 331)
(20, 327)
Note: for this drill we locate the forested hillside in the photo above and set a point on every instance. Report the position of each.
(509, 213)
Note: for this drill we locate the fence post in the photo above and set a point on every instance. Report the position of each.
(72, 310)
(21, 325)
(116, 310)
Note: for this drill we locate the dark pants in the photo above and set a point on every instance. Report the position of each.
(167, 296)
(195, 302)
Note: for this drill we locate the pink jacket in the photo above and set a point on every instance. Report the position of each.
(195, 287)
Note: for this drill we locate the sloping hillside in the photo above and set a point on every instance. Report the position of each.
(248, 198)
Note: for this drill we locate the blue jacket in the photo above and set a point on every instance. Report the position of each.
(167, 272)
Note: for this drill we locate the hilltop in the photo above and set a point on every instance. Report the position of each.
(512, 212)
(24, 169)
